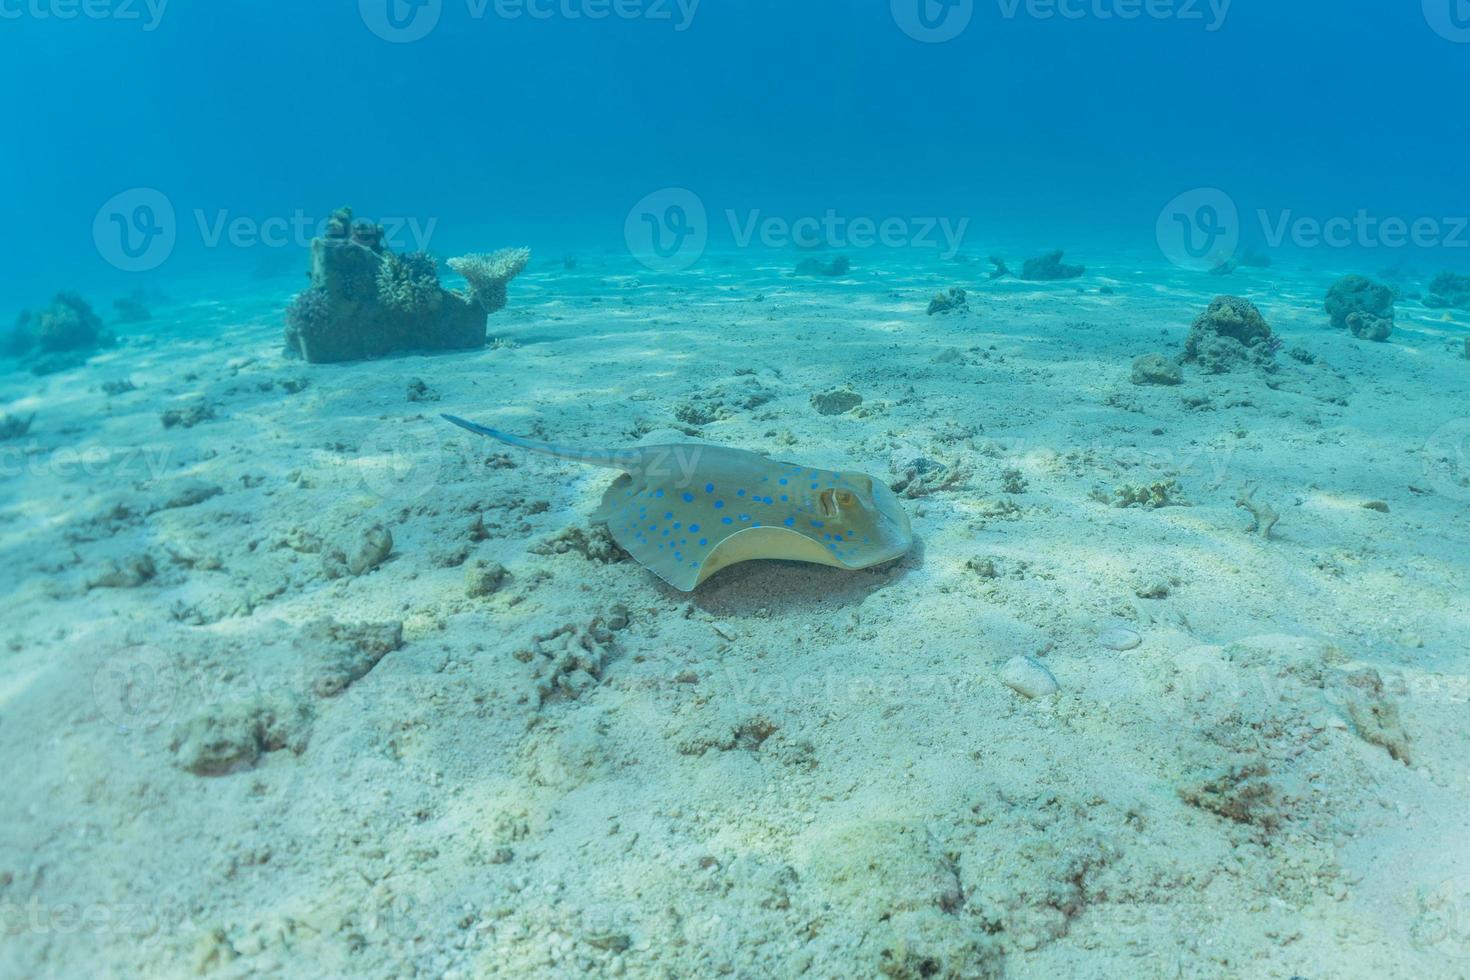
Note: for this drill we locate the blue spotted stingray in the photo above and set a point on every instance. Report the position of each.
(685, 511)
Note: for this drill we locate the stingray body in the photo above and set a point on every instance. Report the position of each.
(686, 511)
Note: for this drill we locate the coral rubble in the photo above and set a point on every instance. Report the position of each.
(954, 301)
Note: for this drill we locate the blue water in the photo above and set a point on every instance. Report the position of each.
(495, 129)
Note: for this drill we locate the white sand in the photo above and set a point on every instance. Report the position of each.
(795, 770)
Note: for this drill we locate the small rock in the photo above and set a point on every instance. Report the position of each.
(129, 573)
(1156, 369)
(1152, 590)
(420, 392)
(482, 578)
(836, 401)
(371, 551)
(1377, 505)
(1027, 676)
(1119, 638)
(191, 493)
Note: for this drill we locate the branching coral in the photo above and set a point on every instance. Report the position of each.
(409, 282)
(488, 275)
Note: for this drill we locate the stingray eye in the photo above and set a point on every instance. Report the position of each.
(833, 502)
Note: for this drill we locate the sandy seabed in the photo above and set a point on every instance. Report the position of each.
(244, 734)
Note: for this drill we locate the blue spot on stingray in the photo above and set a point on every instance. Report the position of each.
(694, 528)
(709, 488)
(703, 542)
(669, 516)
(678, 556)
(658, 493)
(719, 504)
(789, 521)
(817, 524)
(783, 481)
(767, 500)
(726, 520)
(688, 498)
(784, 498)
(745, 517)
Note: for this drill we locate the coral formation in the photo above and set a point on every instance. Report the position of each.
(1229, 334)
(1001, 269)
(61, 336)
(1449, 290)
(1358, 304)
(1050, 267)
(366, 301)
(488, 275)
(954, 301)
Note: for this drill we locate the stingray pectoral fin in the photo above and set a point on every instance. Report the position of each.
(765, 542)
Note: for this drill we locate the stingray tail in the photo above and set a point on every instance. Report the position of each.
(624, 460)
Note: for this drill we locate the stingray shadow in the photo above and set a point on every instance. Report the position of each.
(771, 587)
